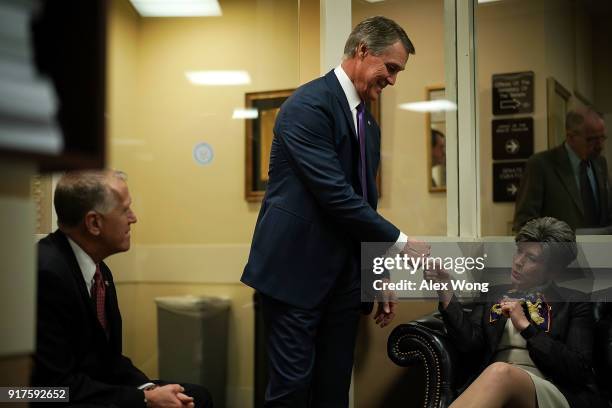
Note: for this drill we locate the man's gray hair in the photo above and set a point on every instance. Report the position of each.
(574, 119)
(78, 192)
(377, 33)
(557, 238)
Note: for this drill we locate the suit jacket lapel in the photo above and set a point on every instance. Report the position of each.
(563, 168)
(78, 277)
(337, 90)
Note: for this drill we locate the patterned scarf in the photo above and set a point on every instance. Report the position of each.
(534, 305)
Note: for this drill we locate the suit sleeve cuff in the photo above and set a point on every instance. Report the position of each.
(529, 332)
(398, 246)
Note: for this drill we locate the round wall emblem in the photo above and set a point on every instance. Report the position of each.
(203, 153)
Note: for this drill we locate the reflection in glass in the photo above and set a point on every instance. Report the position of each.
(436, 136)
(566, 46)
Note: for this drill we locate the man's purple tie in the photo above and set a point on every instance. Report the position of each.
(362, 157)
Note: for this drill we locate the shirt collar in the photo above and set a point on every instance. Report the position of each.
(348, 87)
(573, 158)
(86, 264)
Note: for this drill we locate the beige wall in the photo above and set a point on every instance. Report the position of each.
(194, 224)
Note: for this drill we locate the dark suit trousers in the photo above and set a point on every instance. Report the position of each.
(310, 351)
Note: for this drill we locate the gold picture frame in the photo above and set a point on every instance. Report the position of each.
(435, 139)
(259, 135)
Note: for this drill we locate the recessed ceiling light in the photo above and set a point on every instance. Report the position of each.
(217, 78)
(177, 8)
(439, 105)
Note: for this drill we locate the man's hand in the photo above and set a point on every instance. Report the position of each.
(168, 396)
(385, 311)
(415, 248)
(513, 309)
(185, 399)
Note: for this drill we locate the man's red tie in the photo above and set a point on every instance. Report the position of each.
(98, 290)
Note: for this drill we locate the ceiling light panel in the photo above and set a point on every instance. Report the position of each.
(218, 78)
(177, 8)
(249, 113)
(439, 105)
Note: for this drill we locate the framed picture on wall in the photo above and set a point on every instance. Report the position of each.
(259, 134)
(263, 108)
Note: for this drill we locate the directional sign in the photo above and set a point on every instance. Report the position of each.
(513, 93)
(506, 180)
(512, 138)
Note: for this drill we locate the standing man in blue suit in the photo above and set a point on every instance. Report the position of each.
(320, 204)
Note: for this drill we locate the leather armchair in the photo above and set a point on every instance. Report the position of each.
(425, 342)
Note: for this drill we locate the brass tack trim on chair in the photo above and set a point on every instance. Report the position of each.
(419, 356)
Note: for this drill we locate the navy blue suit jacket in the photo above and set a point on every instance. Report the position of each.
(313, 216)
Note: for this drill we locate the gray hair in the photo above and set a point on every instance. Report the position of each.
(377, 33)
(557, 238)
(78, 192)
(574, 119)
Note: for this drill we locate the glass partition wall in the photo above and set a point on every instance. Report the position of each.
(191, 102)
(537, 61)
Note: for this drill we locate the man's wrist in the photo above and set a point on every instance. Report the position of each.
(147, 386)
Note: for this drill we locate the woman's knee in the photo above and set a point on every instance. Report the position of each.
(499, 371)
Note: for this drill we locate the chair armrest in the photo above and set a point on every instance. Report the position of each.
(424, 341)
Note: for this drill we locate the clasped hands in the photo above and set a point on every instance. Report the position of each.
(385, 311)
(513, 308)
(170, 396)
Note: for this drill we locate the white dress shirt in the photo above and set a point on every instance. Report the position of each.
(86, 264)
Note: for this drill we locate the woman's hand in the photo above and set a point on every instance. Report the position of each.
(440, 276)
(513, 309)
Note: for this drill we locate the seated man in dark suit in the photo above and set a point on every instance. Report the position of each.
(79, 324)
(569, 182)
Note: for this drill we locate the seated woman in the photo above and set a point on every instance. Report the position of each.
(534, 354)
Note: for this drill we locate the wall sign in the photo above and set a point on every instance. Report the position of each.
(513, 93)
(506, 180)
(512, 138)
